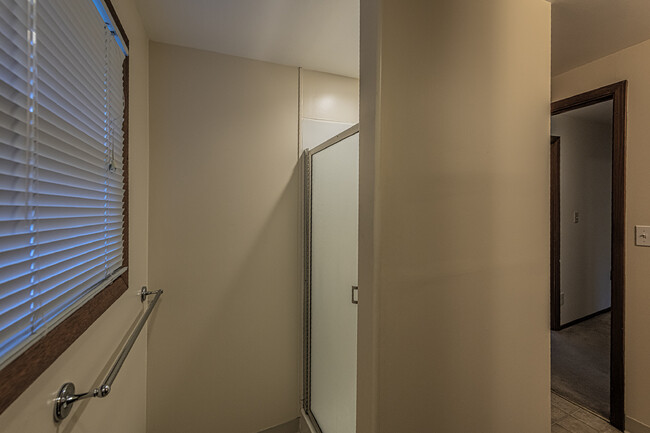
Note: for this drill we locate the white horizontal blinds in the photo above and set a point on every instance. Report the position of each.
(13, 148)
(62, 188)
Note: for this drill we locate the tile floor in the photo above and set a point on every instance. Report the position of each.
(566, 417)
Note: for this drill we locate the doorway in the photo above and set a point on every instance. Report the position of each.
(606, 281)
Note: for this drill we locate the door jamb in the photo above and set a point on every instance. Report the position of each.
(555, 233)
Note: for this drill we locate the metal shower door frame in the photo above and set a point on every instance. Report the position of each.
(307, 295)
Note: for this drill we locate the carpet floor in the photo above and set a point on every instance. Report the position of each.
(580, 363)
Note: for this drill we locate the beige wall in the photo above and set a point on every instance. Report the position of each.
(329, 97)
(454, 275)
(85, 362)
(224, 346)
(631, 64)
(329, 104)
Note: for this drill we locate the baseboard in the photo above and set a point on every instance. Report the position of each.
(287, 427)
(587, 317)
(302, 425)
(634, 426)
(305, 424)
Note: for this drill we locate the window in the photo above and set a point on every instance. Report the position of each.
(63, 216)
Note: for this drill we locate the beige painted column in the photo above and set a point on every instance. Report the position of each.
(454, 226)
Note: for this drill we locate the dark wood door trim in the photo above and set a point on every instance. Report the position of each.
(618, 94)
(555, 233)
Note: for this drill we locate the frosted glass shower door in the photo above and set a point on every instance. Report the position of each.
(334, 256)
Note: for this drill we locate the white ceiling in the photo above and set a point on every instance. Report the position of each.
(585, 30)
(323, 35)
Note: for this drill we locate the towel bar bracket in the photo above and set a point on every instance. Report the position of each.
(62, 406)
(144, 293)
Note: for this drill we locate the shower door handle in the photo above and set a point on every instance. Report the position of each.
(355, 291)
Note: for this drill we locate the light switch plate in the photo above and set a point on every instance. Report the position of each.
(642, 236)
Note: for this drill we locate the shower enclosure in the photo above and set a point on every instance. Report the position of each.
(331, 181)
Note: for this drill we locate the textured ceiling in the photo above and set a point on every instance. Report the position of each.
(585, 30)
(323, 35)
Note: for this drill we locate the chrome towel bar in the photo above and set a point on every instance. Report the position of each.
(67, 397)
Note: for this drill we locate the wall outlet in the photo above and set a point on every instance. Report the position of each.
(561, 298)
(576, 217)
(642, 236)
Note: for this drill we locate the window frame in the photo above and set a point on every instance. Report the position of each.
(19, 374)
